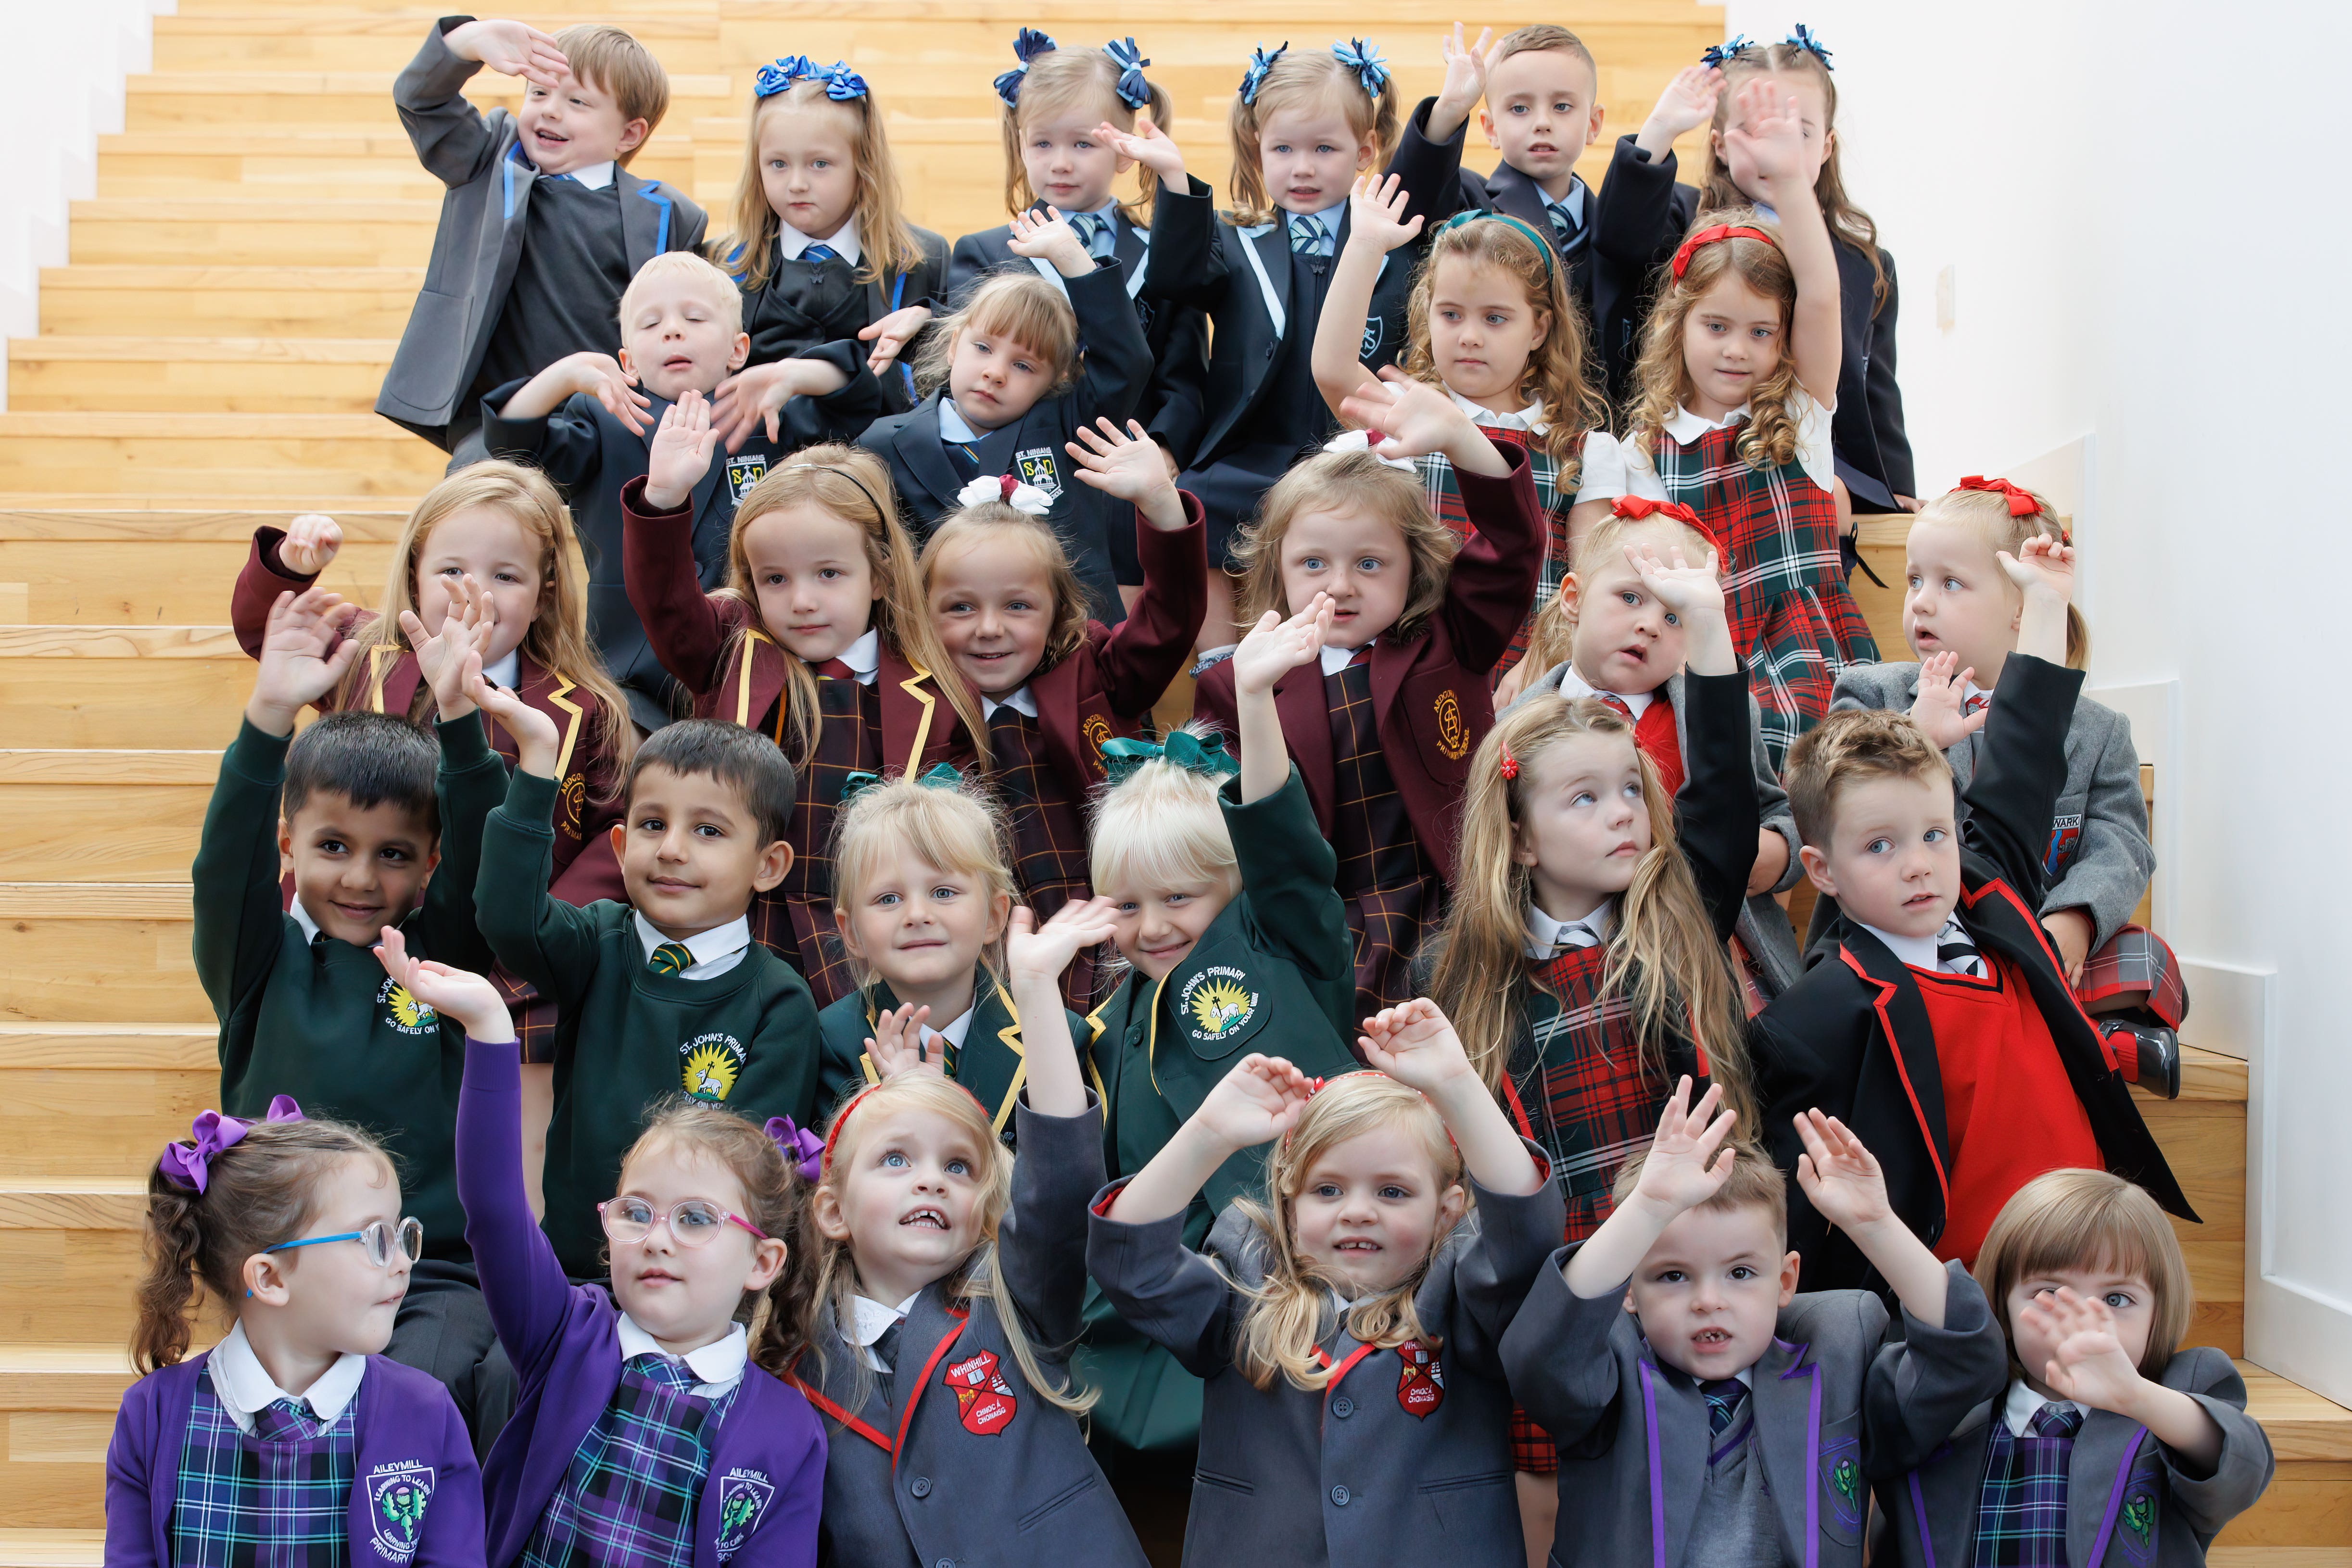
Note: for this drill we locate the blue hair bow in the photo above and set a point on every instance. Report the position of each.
(1723, 54)
(1802, 38)
(1133, 91)
(1365, 61)
(1028, 43)
(1203, 755)
(939, 775)
(802, 1150)
(1260, 62)
(841, 83)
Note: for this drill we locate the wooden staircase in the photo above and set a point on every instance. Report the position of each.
(207, 361)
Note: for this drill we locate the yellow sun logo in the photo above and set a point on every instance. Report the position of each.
(1219, 1006)
(410, 1012)
(709, 1072)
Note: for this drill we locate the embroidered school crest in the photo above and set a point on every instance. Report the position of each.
(709, 1065)
(1216, 1003)
(984, 1401)
(1453, 730)
(572, 802)
(1842, 1481)
(1036, 468)
(1373, 327)
(743, 472)
(2064, 833)
(1143, 315)
(743, 1496)
(406, 1013)
(1420, 1387)
(398, 1493)
(1096, 729)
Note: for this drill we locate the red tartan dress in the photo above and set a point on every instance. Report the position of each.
(1050, 865)
(1792, 619)
(795, 918)
(1576, 1085)
(1394, 896)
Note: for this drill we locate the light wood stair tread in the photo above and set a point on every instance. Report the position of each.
(367, 427)
(52, 1548)
(95, 900)
(215, 351)
(368, 524)
(172, 1047)
(71, 766)
(146, 278)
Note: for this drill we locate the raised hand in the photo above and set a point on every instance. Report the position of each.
(1687, 103)
(888, 336)
(601, 377)
(1412, 417)
(1376, 214)
(897, 1045)
(1768, 127)
(536, 742)
(1677, 1175)
(1049, 238)
(304, 656)
(1132, 467)
(1415, 1044)
(509, 48)
(311, 542)
(471, 620)
(1943, 694)
(1840, 1176)
(1260, 1100)
(1465, 79)
(1687, 589)
(2041, 561)
(459, 993)
(1148, 145)
(679, 454)
(1275, 647)
(1041, 953)
(2089, 1364)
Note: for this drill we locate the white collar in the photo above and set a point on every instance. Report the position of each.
(1572, 686)
(1687, 427)
(506, 671)
(956, 1029)
(844, 240)
(954, 426)
(1571, 204)
(1546, 935)
(1021, 700)
(595, 176)
(1530, 419)
(864, 657)
(708, 947)
(717, 1366)
(869, 1320)
(302, 918)
(2017, 1411)
(244, 1387)
(1335, 659)
(1918, 951)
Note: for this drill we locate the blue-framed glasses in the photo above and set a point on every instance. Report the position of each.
(379, 1238)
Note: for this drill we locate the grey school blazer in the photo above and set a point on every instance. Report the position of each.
(1405, 1457)
(2128, 1504)
(1764, 929)
(1837, 1405)
(2098, 857)
(475, 246)
(966, 1462)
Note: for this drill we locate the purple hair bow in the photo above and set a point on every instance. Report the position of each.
(804, 1149)
(211, 1133)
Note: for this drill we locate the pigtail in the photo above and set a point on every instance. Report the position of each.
(787, 1330)
(175, 1244)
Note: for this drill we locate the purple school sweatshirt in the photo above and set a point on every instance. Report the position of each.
(406, 1431)
(759, 1507)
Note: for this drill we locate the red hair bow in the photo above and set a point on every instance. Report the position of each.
(2020, 503)
(1510, 769)
(1638, 507)
(1710, 235)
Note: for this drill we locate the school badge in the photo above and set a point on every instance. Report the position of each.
(1096, 729)
(743, 472)
(573, 802)
(2136, 1521)
(398, 1493)
(709, 1065)
(1420, 1387)
(1216, 1003)
(1453, 730)
(743, 1496)
(2064, 833)
(984, 1401)
(1842, 1481)
(1036, 468)
(1373, 328)
(406, 1013)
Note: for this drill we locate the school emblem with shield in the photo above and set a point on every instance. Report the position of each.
(1036, 468)
(743, 472)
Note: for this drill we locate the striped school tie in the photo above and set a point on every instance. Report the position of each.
(819, 253)
(1307, 234)
(669, 958)
(1093, 230)
(1957, 951)
(1563, 233)
(1724, 1395)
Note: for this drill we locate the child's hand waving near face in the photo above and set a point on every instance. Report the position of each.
(1050, 238)
(680, 453)
(1694, 596)
(304, 655)
(2044, 570)
(1415, 1043)
(1939, 710)
(1769, 127)
(471, 620)
(536, 745)
(1148, 145)
(1417, 419)
(459, 993)
(1376, 214)
(312, 541)
(1275, 647)
(897, 1045)
(1131, 467)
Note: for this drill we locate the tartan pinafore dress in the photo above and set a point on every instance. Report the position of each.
(795, 918)
(276, 1497)
(633, 1485)
(1792, 621)
(1394, 895)
(1050, 865)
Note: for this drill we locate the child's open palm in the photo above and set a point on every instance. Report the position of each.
(1466, 70)
(2041, 561)
(536, 742)
(1415, 1045)
(897, 1045)
(312, 541)
(1413, 417)
(1939, 709)
(1042, 952)
(441, 652)
(1148, 145)
(1258, 1101)
(680, 453)
(1768, 128)
(2089, 1365)
(1130, 466)
(1275, 647)
(304, 654)
(1840, 1176)
(459, 993)
(1689, 591)
(1677, 1175)
(1048, 238)
(1376, 209)
(510, 48)
(1689, 101)
(600, 375)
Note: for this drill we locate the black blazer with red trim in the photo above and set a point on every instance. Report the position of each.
(1852, 1038)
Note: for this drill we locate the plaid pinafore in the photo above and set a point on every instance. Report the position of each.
(631, 1493)
(795, 918)
(1791, 619)
(2021, 1511)
(1049, 833)
(1444, 493)
(1394, 896)
(278, 1498)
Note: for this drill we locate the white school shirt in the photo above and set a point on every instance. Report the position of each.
(1573, 686)
(244, 1388)
(718, 1365)
(715, 950)
(1335, 659)
(1813, 454)
(1547, 938)
(864, 657)
(1919, 952)
(2018, 1410)
(1020, 700)
(791, 242)
(869, 1320)
(595, 176)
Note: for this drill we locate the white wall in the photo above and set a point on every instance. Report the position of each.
(70, 64)
(2126, 196)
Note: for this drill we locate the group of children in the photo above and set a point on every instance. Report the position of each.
(699, 981)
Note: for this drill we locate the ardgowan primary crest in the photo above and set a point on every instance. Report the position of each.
(398, 1493)
(743, 1496)
(709, 1065)
(1216, 1003)
(1452, 730)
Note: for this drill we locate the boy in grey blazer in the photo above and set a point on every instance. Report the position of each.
(1705, 1411)
(543, 225)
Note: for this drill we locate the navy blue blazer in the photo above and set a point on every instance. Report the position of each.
(783, 327)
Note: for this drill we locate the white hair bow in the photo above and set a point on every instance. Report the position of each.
(1008, 489)
(1361, 441)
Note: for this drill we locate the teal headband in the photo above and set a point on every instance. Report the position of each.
(1543, 249)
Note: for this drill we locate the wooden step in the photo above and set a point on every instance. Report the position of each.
(155, 800)
(107, 1097)
(98, 953)
(100, 584)
(323, 39)
(173, 687)
(2203, 1135)
(195, 456)
(258, 302)
(198, 375)
(69, 1248)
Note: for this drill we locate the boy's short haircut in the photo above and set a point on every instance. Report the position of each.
(1545, 36)
(1851, 748)
(686, 263)
(612, 61)
(743, 759)
(369, 759)
(1755, 1183)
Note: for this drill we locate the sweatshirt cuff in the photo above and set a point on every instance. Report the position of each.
(463, 744)
(257, 755)
(633, 503)
(531, 803)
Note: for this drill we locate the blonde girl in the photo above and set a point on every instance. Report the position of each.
(1305, 124)
(1345, 1321)
(923, 896)
(939, 1298)
(291, 1230)
(822, 249)
(1741, 349)
(2138, 1446)
(1383, 727)
(818, 640)
(1490, 323)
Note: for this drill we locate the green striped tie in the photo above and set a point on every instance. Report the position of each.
(669, 958)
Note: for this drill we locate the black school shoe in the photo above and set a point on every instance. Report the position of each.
(2148, 1054)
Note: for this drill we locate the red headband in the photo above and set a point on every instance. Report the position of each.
(2020, 503)
(1638, 507)
(1713, 233)
(841, 1117)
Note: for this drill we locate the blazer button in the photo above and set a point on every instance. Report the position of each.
(1343, 1407)
(921, 1486)
(1340, 1495)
